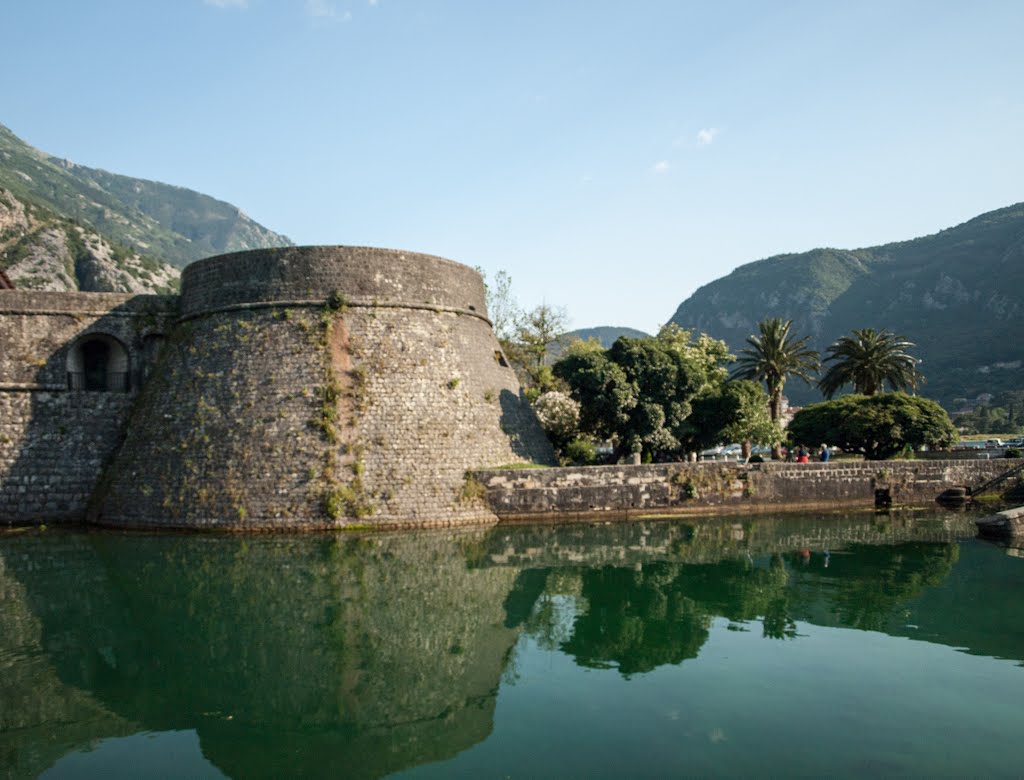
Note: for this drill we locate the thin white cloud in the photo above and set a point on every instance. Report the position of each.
(228, 3)
(706, 135)
(322, 9)
(374, 2)
(661, 166)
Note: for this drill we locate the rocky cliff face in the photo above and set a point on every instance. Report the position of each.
(41, 251)
(65, 226)
(956, 294)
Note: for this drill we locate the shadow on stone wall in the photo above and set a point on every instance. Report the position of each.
(71, 385)
(519, 421)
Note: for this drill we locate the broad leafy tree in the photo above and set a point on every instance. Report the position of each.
(877, 426)
(737, 413)
(538, 330)
(525, 336)
(639, 393)
(868, 360)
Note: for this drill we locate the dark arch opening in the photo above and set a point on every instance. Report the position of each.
(98, 363)
(95, 357)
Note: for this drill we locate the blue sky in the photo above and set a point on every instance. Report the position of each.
(611, 157)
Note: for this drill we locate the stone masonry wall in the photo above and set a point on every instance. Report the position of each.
(684, 488)
(53, 440)
(355, 387)
(368, 276)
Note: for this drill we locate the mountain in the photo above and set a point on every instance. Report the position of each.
(957, 294)
(40, 250)
(606, 334)
(51, 206)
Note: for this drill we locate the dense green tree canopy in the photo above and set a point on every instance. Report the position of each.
(877, 426)
(639, 393)
(869, 360)
(737, 413)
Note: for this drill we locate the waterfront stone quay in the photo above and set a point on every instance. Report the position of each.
(702, 488)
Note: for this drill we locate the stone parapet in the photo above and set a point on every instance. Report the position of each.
(698, 488)
(307, 275)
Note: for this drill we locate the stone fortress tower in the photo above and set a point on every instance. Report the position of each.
(309, 387)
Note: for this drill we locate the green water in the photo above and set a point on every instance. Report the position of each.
(841, 645)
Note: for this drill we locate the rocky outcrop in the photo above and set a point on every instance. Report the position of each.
(39, 251)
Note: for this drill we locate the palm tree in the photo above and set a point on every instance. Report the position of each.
(867, 360)
(772, 357)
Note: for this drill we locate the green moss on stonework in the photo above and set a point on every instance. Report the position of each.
(339, 499)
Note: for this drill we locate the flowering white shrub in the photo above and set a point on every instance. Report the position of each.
(559, 415)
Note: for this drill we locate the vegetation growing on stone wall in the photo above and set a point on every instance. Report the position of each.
(339, 498)
(472, 489)
(348, 500)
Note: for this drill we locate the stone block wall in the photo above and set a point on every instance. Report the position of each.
(365, 275)
(683, 488)
(54, 440)
(317, 388)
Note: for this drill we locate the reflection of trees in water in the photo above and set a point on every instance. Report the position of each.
(740, 590)
(864, 587)
(322, 655)
(638, 618)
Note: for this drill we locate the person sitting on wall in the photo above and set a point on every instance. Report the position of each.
(802, 455)
(824, 455)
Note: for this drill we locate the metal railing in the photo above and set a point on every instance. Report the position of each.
(110, 382)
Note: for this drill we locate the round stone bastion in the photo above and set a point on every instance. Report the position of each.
(321, 387)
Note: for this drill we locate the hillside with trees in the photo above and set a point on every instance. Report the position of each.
(956, 295)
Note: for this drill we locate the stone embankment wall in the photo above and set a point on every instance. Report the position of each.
(321, 387)
(700, 488)
(54, 439)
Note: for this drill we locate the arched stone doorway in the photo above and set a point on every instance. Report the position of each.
(99, 363)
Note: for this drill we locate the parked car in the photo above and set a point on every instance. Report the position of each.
(970, 445)
(993, 443)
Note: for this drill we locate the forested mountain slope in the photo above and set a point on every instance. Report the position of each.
(958, 294)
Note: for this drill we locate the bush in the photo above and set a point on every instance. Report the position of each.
(1012, 452)
(559, 415)
(877, 426)
(581, 452)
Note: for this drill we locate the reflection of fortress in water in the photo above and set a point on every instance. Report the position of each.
(320, 656)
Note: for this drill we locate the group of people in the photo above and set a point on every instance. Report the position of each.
(802, 455)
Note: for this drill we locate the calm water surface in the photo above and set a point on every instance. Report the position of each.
(841, 645)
